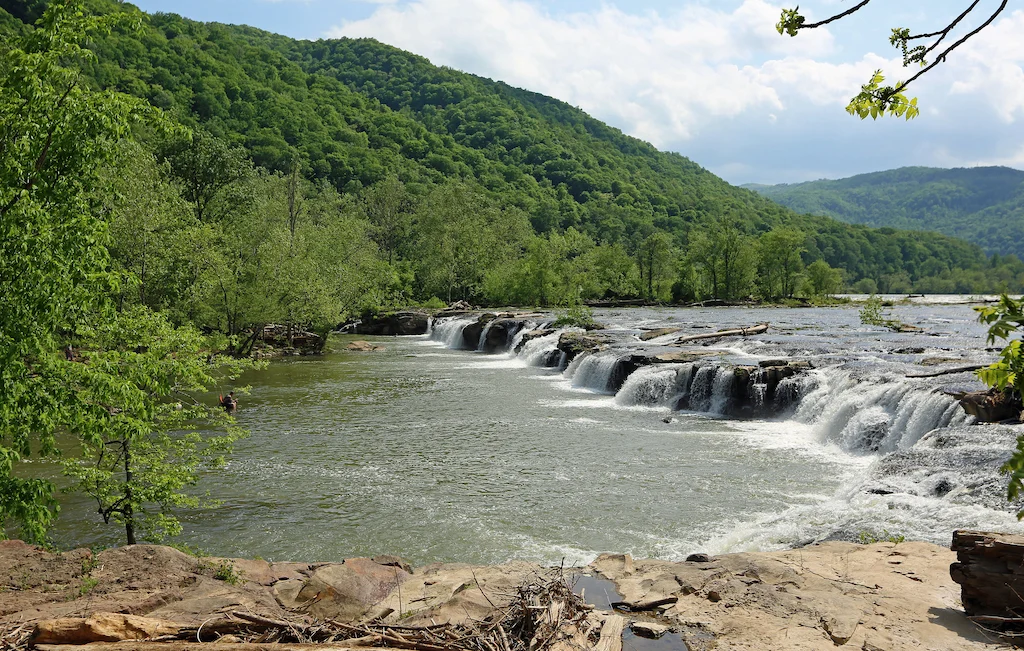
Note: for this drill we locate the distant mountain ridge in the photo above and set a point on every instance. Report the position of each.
(984, 205)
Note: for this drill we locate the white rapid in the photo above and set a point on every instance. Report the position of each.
(879, 414)
(449, 331)
(660, 385)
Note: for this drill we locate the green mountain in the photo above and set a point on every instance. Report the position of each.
(356, 111)
(984, 205)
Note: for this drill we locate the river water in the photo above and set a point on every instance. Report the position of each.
(439, 454)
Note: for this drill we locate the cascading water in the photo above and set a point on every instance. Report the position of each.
(654, 386)
(482, 344)
(878, 415)
(516, 336)
(449, 331)
(702, 388)
(595, 373)
(721, 391)
(539, 351)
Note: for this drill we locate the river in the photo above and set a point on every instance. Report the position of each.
(439, 454)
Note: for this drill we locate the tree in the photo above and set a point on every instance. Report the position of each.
(875, 99)
(823, 279)
(207, 168)
(145, 447)
(724, 257)
(55, 136)
(780, 263)
(1005, 319)
(388, 207)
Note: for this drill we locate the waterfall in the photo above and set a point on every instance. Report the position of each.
(659, 385)
(721, 391)
(595, 373)
(482, 344)
(449, 331)
(702, 388)
(540, 351)
(877, 414)
(570, 371)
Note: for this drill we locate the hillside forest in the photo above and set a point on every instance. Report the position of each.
(983, 205)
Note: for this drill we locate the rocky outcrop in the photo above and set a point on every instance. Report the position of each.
(575, 343)
(882, 596)
(363, 347)
(992, 406)
(988, 569)
(396, 323)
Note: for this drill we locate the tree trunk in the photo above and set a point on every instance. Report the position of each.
(129, 514)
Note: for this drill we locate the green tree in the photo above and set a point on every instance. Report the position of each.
(137, 377)
(875, 99)
(779, 262)
(724, 257)
(822, 279)
(1005, 319)
(388, 207)
(207, 168)
(55, 136)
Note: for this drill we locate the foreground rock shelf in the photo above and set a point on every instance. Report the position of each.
(880, 596)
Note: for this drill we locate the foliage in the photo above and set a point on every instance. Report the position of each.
(823, 280)
(780, 263)
(871, 537)
(54, 134)
(137, 376)
(984, 205)
(871, 314)
(354, 113)
(576, 315)
(1004, 319)
(874, 99)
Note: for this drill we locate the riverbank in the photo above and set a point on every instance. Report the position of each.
(879, 596)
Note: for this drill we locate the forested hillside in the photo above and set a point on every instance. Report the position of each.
(984, 205)
(441, 184)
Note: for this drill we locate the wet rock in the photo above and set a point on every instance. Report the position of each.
(100, 627)
(471, 333)
(766, 363)
(363, 347)
(396, 323)
(991, 406)
(681, 357)
(500, 334)
(533, 334)
(939, 361)
(698, 558)
(660, 332)
(574, 343)
(649, 629)
(908, 351)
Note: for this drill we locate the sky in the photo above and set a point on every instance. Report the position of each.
(711, 80)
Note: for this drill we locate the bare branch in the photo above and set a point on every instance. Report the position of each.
(836, 17)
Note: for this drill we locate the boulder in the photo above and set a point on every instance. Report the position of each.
(992, 406)
(574, 343)
(100, 627)
(345, 591)
(500, 333)
(649, 629)
(364, 347)
(396, 323)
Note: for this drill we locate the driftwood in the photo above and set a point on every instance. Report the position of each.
(990, 571)
(544, 614)
(949, 371)
(735, 332)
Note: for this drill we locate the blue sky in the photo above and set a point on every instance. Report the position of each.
(711, 80)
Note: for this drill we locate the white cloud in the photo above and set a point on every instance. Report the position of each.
(685, 79)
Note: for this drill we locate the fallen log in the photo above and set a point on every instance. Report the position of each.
(990, 571)
(948, 371)
(735, 332)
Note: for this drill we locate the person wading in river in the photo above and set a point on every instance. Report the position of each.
(229, 402)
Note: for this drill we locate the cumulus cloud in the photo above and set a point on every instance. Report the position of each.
(687, 79)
